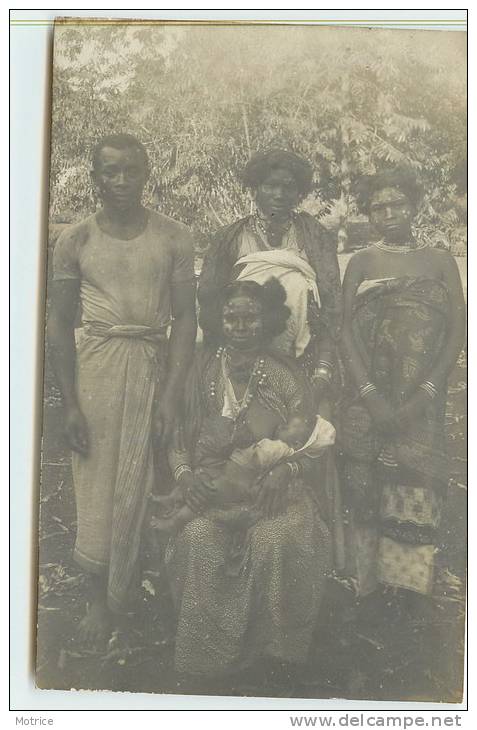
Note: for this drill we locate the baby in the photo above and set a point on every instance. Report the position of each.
(237, 480)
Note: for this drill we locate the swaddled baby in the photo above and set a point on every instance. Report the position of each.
(238, 479)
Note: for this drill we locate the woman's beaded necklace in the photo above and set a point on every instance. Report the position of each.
(397, 248)
(257, 378)
(274, 239)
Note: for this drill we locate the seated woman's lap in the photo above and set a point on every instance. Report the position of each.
(267, 608)
(295, 527)
(278, 532)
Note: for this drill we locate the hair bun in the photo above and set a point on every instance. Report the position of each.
(274, 292)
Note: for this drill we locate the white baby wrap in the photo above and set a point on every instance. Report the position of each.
(266, 453)
(298, 279)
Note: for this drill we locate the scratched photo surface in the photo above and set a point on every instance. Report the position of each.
(253, 471)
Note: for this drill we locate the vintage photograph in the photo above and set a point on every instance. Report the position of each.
(254, 442)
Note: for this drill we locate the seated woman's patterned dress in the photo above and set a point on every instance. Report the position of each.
(232, 613)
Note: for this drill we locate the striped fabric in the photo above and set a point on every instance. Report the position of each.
(118, 375)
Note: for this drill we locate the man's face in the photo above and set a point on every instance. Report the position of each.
(120, 176)
(242, 322)
(391, 213)
(278, 194)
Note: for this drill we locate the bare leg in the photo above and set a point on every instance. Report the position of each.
(95, 627)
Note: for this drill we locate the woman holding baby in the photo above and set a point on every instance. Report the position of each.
(247, 567)
(256, 506)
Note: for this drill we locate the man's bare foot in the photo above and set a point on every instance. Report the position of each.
(95, 627)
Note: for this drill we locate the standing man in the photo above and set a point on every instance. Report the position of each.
(131, 270)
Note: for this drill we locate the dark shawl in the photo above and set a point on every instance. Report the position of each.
(320, 249)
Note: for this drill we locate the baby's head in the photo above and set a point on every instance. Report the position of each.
(296, 431)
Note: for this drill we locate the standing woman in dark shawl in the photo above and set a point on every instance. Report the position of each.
(404, 328)
(280, 180)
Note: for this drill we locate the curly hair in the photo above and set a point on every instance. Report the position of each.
(271, 296)
(262, 163)
(397, 177)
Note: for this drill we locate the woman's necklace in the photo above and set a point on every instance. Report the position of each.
(256, 378)
(397, 248)
(272, 236)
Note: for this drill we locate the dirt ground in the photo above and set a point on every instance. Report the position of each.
(384, 656)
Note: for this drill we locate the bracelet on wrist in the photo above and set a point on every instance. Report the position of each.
(294, 468)
(181, 469)
(366, 389)
(429, 388)
(323, 373)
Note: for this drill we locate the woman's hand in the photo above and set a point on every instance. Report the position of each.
(197, 493)
(412, 410)
(381, 412)
(272, 498)
(76, 430)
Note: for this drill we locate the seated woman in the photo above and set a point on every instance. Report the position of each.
(403, 331)
(247, 591)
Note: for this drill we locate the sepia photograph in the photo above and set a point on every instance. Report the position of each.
(254, 432)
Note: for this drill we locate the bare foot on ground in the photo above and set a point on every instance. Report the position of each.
(95, 627)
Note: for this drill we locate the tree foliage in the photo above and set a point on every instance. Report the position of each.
(202, 99)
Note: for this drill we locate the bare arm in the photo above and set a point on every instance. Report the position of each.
(455, 334)
(378, 407)
(324, 355)
(208, 280)
(217, 271)
(209, 285)
(455, 325)
(64, 305)
(325, 346)
(352, 358)
(181, 349)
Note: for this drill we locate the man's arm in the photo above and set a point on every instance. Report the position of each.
(64, 305)
(181, 350)
(209, 285)
(217, 272)
(208, 276)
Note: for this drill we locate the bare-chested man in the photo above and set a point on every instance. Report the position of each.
(131, 270)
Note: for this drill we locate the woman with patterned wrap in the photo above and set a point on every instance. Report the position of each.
(247, 585)
(403, 330)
